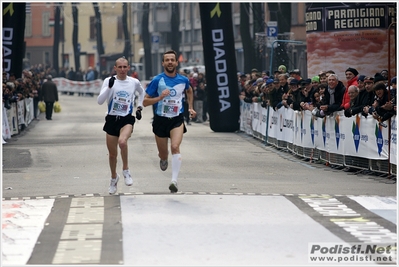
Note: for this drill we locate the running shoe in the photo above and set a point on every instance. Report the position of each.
(163, 164)
(173, 187)
(113, 185)
(128, 177)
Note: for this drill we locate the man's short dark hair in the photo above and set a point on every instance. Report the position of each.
(170, 52)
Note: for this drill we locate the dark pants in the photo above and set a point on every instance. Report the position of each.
(49, 109)
(35, 106)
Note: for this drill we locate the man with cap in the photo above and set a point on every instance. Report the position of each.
(273, 87)
(293, 99)
(369, 87)
(305, 94)
(265, 97)
(351, 79)
(296, 73)
(282, 69)
(360, 81)
(382, 111)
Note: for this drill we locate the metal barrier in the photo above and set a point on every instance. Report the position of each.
(356, 142)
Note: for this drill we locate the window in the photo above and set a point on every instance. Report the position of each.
(92, 27)
(119, 28)
(28, 56)
(28, 25)
(47, 58)
(45, 23)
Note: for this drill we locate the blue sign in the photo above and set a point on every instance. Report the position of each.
(155, 38)
(272, 31)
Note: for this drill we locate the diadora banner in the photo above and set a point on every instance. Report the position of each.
(13, 37)
(220, 64)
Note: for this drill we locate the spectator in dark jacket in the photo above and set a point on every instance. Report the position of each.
(49, 96)
(333, 95)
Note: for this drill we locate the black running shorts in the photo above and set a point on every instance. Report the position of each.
(114, 124)
(161, 126)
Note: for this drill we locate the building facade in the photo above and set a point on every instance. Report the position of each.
(39, 34)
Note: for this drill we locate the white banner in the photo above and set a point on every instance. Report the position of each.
(394, 146)
(5, 125)
(356, 136)
(21, 112)
(287, 120)
(29, 116)
(273, 128)
(12, 118)
(65, 85)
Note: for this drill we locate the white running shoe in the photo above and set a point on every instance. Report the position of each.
(113, 185)
(128, 177)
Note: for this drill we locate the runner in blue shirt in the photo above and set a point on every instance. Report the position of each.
(166, 93)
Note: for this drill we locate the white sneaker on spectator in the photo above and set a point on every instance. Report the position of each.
(128, 177)
(113, 185)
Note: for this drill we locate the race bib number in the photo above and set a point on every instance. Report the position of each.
(120, 105)
(170, 108)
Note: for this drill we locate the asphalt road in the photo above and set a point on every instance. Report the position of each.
(240, 203)
(67, 155)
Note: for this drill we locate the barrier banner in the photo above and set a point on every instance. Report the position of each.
(29, 113)
(394, 146)
(65, 85)
(297, 128)
(13, 37)
(319, 133)
(220, 63)
(21, 112)
(272, 130)
(5, 126)
(307, 127)
(287, 120)
(12, 118)
(246, 118)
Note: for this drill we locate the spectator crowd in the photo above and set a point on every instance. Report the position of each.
(323, 94)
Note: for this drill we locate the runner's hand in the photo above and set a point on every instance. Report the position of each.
(138, 113)
(111, 82)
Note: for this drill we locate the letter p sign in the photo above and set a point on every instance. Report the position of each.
(272, 31)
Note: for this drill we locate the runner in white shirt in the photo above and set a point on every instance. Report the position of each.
(119, 91)
(166, 92)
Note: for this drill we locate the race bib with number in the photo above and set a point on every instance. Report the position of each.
(121, 105)
(170, 107)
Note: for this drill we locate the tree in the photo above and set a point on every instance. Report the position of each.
(56, 44)
(175, 32)
(99, 34)
(281, 12)
(258, 27)
(76, 50)
(146, 41)
(127, 49)
(246, 39)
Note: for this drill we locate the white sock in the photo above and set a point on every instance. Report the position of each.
(176, 164)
